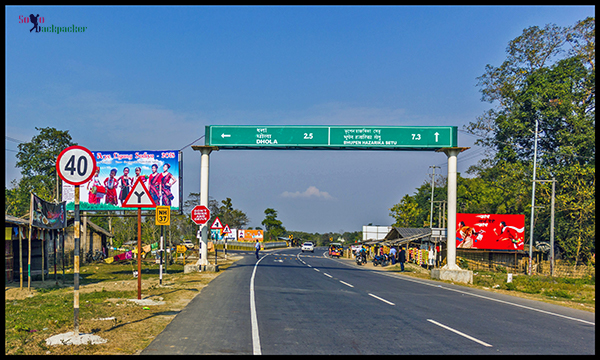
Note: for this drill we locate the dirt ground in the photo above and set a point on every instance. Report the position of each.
(130, 327)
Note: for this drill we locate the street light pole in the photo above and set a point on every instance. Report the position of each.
(533, 199)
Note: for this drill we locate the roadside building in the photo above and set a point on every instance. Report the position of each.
(50, 249)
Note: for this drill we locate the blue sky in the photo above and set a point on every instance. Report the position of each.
(151, 78)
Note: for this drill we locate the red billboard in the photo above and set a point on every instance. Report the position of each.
(490, 231)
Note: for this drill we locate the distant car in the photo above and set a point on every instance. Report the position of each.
(308, 246)
(188, 244)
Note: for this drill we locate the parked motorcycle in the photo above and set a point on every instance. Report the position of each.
(361, 259)
(382, 260)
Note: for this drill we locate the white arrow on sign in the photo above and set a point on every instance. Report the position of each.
(225, 135)
(436, 136)
(139, 196)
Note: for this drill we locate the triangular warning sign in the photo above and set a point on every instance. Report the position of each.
(226, 229)
(217, 224)
(139, 196)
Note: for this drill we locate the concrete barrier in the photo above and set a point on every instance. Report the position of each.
(463, 276)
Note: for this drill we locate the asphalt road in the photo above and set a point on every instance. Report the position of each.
(304, 303)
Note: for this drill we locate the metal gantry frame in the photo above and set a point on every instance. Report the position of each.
(451, 153)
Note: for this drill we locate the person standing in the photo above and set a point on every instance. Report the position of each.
(154, 181)
(110, 184)
(167, 180)
(257, 247)
(126, 182)
(95, 188)
(393, 255)
(402, 258)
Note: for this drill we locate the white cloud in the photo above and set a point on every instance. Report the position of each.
(312, 191)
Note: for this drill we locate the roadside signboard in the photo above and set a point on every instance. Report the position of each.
(226, 229)
(139, 196)
(163, 215)
(216, 224)
(490, 231)
(200, 214)
(161, 172)
(250, 235)
(75, 165)
(332, 137)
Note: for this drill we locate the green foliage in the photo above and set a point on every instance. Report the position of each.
(273, 226)
(548, 78)
(235, 218)
(406, 212)
(37, 161)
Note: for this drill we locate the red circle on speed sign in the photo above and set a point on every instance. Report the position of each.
(200, 214)
(76, 165)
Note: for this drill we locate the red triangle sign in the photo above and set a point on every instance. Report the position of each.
(226, 229)
(216, 224)
(139, 196)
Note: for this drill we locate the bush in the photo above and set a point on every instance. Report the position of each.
(557, 294)
(510, 286)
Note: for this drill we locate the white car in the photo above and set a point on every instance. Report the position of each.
(308, 246)
(188, 243)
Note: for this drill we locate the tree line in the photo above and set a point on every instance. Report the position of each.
(548, 77)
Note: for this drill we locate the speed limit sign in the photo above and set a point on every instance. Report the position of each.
(75, 165)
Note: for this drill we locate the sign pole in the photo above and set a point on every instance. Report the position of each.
(75, 165)
(29, 249)
(161, 253)
(204, 167)
(76, 262)
(139, 254)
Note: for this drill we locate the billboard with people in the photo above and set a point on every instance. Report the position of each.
(490, 231)
(116, 173)
(250, 235)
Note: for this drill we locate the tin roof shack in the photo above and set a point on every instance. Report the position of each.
(57, 245)
(93, 237)
(403, 236)
(17, 242)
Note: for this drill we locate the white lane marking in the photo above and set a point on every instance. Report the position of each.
(459, 333)
(481, 296)
(315, 269)
(345, 283)
(384, 300)
(308, 265)
(253, 318)
(326, 274)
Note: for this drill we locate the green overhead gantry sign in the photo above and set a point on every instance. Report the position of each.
(331, 137)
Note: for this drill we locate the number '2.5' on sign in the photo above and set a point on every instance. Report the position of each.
(75, 165)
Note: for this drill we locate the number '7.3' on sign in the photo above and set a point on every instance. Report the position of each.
(75, 165)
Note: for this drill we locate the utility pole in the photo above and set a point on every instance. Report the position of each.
(533, 200)
(432, 183)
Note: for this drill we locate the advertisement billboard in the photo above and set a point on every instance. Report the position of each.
(250, 235)
(490, 231)
(117, 172)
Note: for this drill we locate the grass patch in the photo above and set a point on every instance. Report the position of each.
(31, 318)
(580, 291)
